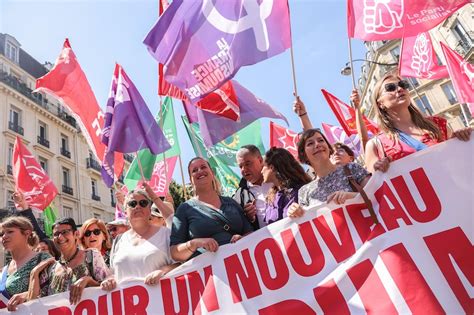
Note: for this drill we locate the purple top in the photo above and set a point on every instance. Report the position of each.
(279, 208)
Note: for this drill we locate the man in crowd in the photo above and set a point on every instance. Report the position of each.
(117, 227)
(252, 191)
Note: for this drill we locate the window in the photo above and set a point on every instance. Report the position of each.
(94, 187)
(67, 212)
(42, 132)
(413, 82)
(66, 177)
(460, 32)
(64, 142)
(112, 196)
(449, 92)
(10, 205)
(10, 154)
(12, 52)
(44, 163)
(15, 116)
(424, 105)
(395, 52)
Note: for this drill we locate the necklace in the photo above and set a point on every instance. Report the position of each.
(67, 261)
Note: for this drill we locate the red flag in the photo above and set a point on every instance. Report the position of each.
(462, 76)
(68, 82)
(222, 101)
(373, 20)
(418, 58)
(346, 115)
(281, 137)
(31, 179)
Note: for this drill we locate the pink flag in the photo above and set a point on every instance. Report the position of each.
(337, 134)
(373, 20)
(346, 115)
(462, 76)
(161, 178)
(119, 211)
(418, 58)
(281, 137)
(31, 179)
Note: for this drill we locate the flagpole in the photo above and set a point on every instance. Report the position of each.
(352, 65)
(140, 166)
(161, 127)
(185, 193)
(8, 179)
(295, 90)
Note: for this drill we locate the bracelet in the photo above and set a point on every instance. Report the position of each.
(188, 246)
(302, 114)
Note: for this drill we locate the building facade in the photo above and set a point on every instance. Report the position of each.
(432, 97)
(51, 135)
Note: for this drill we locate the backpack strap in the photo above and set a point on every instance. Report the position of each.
(358, 188)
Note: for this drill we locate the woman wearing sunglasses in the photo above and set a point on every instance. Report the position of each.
(404, 130)
(207, 220)
(331, 183)
(143, 250)
(75, 270)
(94, 235)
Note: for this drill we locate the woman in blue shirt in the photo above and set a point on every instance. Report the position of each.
(207, 220)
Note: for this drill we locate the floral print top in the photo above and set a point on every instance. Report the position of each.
(58, 278)
(317, 191)
(18, 281)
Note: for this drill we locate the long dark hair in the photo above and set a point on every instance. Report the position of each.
(302, 143)
(288, 171)
(386, 124)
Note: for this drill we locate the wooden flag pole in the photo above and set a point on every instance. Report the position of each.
(185, 193)
(161, 127)
(351, 64)
(140, 166)
(292, 57)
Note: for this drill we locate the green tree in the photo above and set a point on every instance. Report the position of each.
(176, 191)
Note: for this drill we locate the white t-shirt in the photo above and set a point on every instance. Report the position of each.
(137, 261)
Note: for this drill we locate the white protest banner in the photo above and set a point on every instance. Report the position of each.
(333, 260)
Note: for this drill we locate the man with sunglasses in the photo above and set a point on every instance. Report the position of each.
(117, 227)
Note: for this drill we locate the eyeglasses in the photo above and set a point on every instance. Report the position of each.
(63, 233)
(112, 229)
(89, 232)
(143, 203)
(392, 87)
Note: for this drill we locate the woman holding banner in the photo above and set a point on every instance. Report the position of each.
(207, 220)
(287, 176)
(332, 182)
(404, 130)
(18, 237)
(143, 250)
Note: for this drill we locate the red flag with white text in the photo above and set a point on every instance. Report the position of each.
(222, 101)
(67, 81)
(462, 76)
(281, 137)
(418, 58)
(346, 115)
(374, 20)
(31, 179)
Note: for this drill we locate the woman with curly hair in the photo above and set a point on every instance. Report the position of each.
(287, 176)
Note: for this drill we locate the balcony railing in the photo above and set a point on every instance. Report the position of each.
(68, 190)
(128, 157)
(95, 197)
(91, 163)
(43, 141)
(9, 170)
(37, 98)
(65, 153)
(15, 127)
(463, 46)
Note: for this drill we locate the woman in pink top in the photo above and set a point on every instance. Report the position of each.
(404, 130)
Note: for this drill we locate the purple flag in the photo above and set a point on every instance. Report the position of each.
(215, 128)
(203, 43)
(337, 134)
(129, 125)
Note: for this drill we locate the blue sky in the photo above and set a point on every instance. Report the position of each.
(102, 32)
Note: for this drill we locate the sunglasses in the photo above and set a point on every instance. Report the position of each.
(112, 229)
(89, 232)
(63, 233)
(143, 203)
(392, 87)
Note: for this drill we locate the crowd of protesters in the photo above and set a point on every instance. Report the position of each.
(154, 238)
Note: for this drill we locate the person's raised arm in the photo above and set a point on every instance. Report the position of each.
(300, 109)
(361, 127)
(166, 210)
(24, 210)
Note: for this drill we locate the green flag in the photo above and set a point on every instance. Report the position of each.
(50, 215)
(225, 150)
(228, 179)
(147, 159)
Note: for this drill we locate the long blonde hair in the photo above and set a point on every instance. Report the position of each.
(385, 123)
